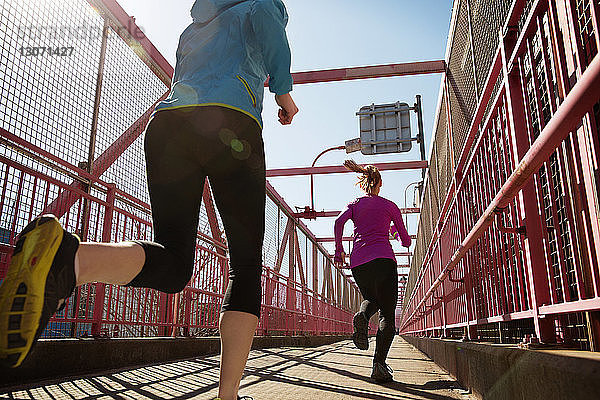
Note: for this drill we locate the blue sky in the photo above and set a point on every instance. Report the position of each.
(333, 34)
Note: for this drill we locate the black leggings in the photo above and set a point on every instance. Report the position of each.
(183, 147)
(378, 284)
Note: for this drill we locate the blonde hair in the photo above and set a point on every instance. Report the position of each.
(370, 177)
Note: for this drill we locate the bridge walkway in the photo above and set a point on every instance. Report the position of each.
(337, 371)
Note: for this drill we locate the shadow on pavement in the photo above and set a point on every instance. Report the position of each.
(192, 378)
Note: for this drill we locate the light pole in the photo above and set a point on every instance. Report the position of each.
(312, 197)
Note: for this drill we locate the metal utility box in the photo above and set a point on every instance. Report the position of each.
(385, 128)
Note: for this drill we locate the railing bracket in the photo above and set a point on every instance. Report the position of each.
(520, 230)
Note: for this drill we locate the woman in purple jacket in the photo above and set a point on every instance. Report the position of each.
(373, 264)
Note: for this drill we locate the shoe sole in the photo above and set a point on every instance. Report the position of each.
(374, 380)
(360, 339)
(22, 292)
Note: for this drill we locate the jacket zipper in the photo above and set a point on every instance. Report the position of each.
(248, 90)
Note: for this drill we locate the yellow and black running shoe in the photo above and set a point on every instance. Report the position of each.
(40, 275)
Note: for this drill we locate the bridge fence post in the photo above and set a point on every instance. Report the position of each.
(534, 252)
(100, 288)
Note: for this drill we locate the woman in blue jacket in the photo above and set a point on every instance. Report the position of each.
(209, 126)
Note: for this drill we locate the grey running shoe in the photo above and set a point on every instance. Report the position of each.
(382, 373)
(360, 337)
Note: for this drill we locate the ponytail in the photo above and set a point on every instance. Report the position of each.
(370, 177)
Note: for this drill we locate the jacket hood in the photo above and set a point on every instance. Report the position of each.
(205, 10)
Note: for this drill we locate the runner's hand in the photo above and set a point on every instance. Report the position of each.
(288, 108)
(340, 264)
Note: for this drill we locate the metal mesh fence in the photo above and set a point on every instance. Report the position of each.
(273, 227)
(433, 185)
(426, 212)
(52, 55)
(443, 155)
(461, 79)
(572, 330)
(488, 18)
(587, 37)
(511, 332)
(44, 100)
(524, 14)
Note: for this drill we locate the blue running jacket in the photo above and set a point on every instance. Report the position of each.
(226, 54)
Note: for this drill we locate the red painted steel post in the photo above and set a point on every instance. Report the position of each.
(470, 330)
(93, 134)
(588, 142)
(99, 298)
(589, 150)
(593, 322)
(291, 282)
(444, 311)
(173, 314)
(187, 309)
(315, 281)
(535, 254)
(339, 288)
(216, 233)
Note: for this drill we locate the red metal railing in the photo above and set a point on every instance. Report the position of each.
(515, 242)
(289, 305)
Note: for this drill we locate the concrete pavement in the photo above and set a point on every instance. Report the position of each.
(337, 371)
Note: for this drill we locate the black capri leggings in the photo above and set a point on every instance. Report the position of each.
(378, 283)
(183, 147)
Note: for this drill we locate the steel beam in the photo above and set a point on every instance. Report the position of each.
(369, 72)
(67, 198)
(331, 240)
(571, 307)
(345, 239)
(340, 169)
(316, 214)
(328, 214)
